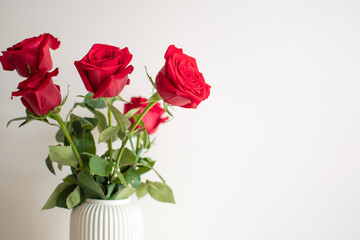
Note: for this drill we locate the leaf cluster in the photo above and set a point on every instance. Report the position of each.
(114, 174)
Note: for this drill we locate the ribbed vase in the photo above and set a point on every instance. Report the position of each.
(106, 220)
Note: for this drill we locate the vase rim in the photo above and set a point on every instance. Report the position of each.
(107, 202)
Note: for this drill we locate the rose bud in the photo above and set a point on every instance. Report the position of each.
(30, 56)
(152, 118)
(104, 70)
(179, 82)
(39, 94)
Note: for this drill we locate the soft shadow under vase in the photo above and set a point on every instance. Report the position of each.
(106, 220)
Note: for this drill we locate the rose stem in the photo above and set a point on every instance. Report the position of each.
(138, 143)
(110, 124)
(131, 131)
(68, 137)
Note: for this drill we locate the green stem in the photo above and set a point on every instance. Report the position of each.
(148, 107)
(110, 140)
(69, 138)
(131, 131)
(138, 142)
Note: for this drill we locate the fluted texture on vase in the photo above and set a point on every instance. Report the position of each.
(106, 220)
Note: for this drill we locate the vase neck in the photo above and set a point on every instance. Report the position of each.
(108, 202)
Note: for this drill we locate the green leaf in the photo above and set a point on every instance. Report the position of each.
(85, 143)
(161, 192)
(74, 198)
(70, 179)
(61, 201)
(15, 119)
(132, 177)
(121, 178)
(142, 191)
(146, 140)
(49, 165)
(86, 154)
(131, 112)
(60, 136)
(26, 122)
(151, 81)
(122, 121)
(85, 123)
(108, 133)
(63, 155)
(125, 193)
(90, 188)
(121, 135)
(146, 165)
(59, 166)
(101, 180)
(51, 202)
(93, 121)
(120, 99)
(118, 188)
(102, 124)
(29, 117)
(81, 126)
(128, 156)
(154, 98)
(110, 188)
(100, 166)
(77, 130)
(94, 102)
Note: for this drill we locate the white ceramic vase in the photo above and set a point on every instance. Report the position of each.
(106, 220)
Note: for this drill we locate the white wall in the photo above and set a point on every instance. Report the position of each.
(272, 154)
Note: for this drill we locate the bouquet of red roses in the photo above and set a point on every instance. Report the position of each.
(116, 173)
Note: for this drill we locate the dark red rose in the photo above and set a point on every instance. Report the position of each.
(179, 82)
(32, 53)
(38, 93)
(104, 70)
(152, 118)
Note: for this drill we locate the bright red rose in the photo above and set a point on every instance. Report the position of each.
(104, 70)
(33, 53)
(179, 82)
(39, 94)
(152, 118)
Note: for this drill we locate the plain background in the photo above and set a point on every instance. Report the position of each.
(272, 154)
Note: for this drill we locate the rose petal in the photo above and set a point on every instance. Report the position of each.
(172, 50)
(83, 76)
(104, 88)
(6, 64)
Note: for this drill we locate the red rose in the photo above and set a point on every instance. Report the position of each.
(104, 70)
(39, 94)
(179, 82)
(31, 53)
(152, 118)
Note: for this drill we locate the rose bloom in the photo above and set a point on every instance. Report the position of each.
(179, 82)
(30, 56)
(152, 119)
(39, 94)
(104, 70)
